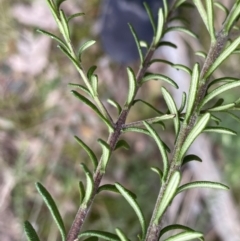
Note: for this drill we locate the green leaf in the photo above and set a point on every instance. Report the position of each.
(224, 79)
(202, 12)
(105, 154)
(74, 16)
(222, 7)
(178, 4)
(91, 239)
(192, 91)
(94, 84)
(82, 191)
(191, 157)
(166, 43)
(185, 236)
(181, 29)
(197, 129)
(100, 234)
(158, 171)
(183, 103)
(30, 232)
(89, 152)
(47, 198)
(159, 77)
(232, 17)
(217, 91)
(53, 37)
(165, 7)
(226, 52)
(93, 107)
(121, 235)
(149, 105)
(134, 205)
(182, 67)
(64, 23)
(160, 61)
(137, 42)
(122, 143)
(115, 104)
(221, 130)
(91, 71)
(222, 107)
(168, 195)
(89, 185)
(173, 227)
(210, 18)
(235, 117)
(202, 184)
(112, 188)
(143, 44)
(201, 54)
(132, 86)
(216, 119)
(172, 108)
(84, 46)
(161, 148)
(58, 3)
(150, 16)
(160, 26)
(83, 88)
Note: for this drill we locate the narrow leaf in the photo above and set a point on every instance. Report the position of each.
(64, 24)
(174, 227)
(112, 188)
(222, 7)
(100, 234)
(94, 84)
(201, 54)
(202, 12)
(233, 17)
(221, 130)
(132, 202)
(150, 16)
(75, 16)
(58, 3)
(91, 239)
(217, 91)
(192, 91)
(84, 46)
(132, 86)
(82, 191)
(159, 77)
(172, 108)
(137, 42)
(235, 117)
(30, 232)
(185, 236)
(91, 71)
(166, 43)
(226, 52)
(52, 36)
(168, 195)
(222, 107)
(202, 184)
(122, 143)
(181, 29)
(89, 185)
(121, 235)
(52, 208)
(105, 154)
(93, 107)
(210, 16)
(83, 88)
(161, 148)
(224, 79)
(89, 152)
(160, 26)
(149, 105)
(158, 171)
(191, 157)
(197, 129)
(182, 67)
(183, 103)
(115, 104)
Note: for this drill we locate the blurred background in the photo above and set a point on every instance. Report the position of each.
(39, 117)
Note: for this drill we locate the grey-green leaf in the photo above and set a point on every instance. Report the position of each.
(123, 144)
(191, 157)
(83, 88)
(221, 130)
(159, 77)
(84, 46)
(75, 16)
(134, 205)
(82, 191)
(160, 26)
(185, 236)
(115, 104)
(132, 85)
(181, 29)
(161, 147)
(202, 184)
(121, 235)
(197, 129)
(100, 234)
(52, 208)
(172, 108)
(89, 151)
(105, 154)
(150, 16)
(30, 232)
(149, 105)
(174, 227)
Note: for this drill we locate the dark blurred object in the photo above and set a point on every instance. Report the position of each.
(117, 39)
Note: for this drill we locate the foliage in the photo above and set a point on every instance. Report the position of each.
(192, 119)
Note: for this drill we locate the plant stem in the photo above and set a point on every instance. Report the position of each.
(155, 226)
(112, 141)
